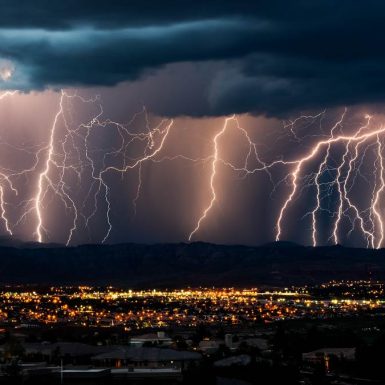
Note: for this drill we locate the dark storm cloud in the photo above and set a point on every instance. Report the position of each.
(274, 57)
(54, 14)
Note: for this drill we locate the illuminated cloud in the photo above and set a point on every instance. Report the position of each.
(6, 70)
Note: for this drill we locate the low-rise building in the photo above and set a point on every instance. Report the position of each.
(147, 357)
(324, 355)
(158, 338)
(210, 346)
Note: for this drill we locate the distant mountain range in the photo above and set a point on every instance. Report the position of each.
(181, 265)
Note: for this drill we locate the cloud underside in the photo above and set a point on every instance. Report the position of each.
(270, 58)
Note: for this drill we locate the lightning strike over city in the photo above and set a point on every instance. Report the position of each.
(192, 192)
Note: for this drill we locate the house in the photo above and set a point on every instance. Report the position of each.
(70, 352)
(340, 353)
(210, 346)
(158, 338)
(145, 357)
(323, 356)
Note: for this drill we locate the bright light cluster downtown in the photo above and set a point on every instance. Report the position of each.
(132, 310)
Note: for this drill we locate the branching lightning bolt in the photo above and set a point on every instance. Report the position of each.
(343, 181)
(69, 162)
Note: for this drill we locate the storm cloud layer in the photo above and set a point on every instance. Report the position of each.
(273, 58)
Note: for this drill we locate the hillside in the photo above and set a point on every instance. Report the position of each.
(195, 264)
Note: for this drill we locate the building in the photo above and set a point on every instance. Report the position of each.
(158, 338)
(145, 357)
(318, 355)
(70, 352)
(210, 346)
(325, 355)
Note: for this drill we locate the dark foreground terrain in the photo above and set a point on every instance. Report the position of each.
(329, 334)
(195, 264)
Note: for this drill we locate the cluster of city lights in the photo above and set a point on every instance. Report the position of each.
(137, 309)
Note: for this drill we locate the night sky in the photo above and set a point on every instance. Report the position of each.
(145, 121)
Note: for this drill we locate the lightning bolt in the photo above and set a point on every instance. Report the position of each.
(43, 176)
(68, 153)
(216, 159)
(379, 192)
(364, 135)
(355, 147)
(212, 177)
(102, 190)
(68, 163)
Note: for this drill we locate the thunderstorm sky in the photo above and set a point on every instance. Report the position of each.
(145, 121)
